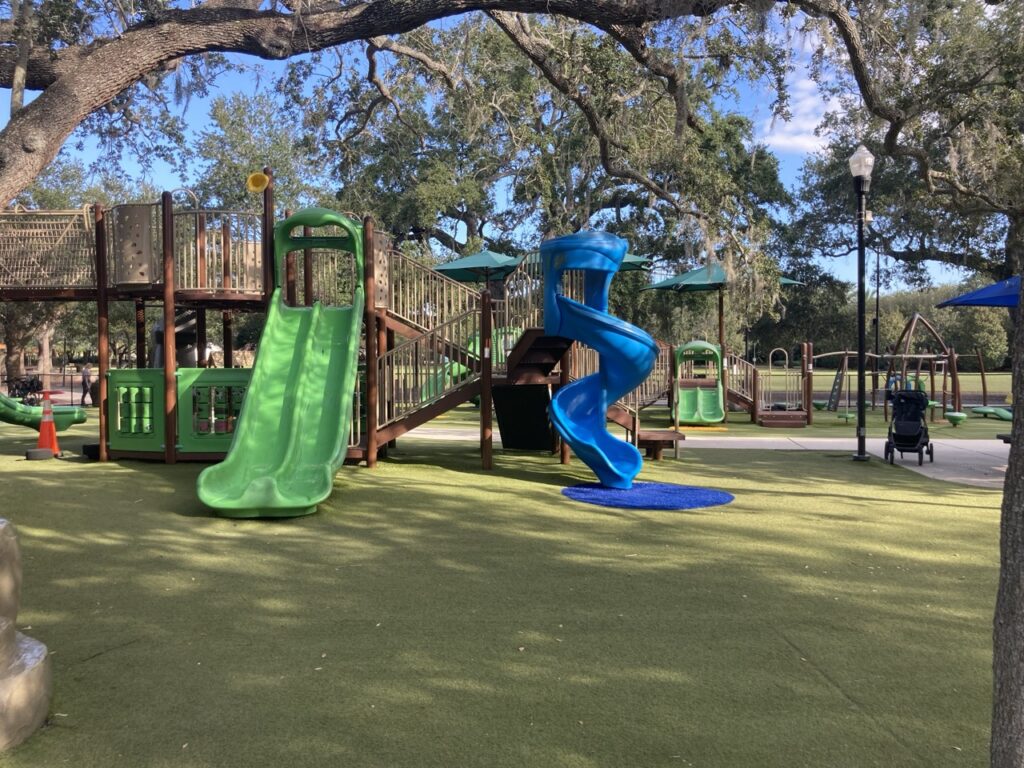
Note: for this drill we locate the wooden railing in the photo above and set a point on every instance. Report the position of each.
(218, 250)
(523, 303)
(420, 371)
(423, 297)
(742, 376)
(585, 361)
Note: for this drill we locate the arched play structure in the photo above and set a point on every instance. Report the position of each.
(698, 392)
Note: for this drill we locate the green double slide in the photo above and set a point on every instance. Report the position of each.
(292, 434)
(14, 412)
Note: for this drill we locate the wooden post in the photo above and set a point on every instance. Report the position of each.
(225, 255)
(389, 404)
(201, 337)
(721, 349)
(290, 297)
(229, 342)
(170, 348)
(931, 387)
(564, 366)
(307, 270)
(201, 250)
(954, 374)
(102, 325)
(268, 237)
(486, 427)
(370, 327)
(755, 410)
(984, 386)
(140, 333)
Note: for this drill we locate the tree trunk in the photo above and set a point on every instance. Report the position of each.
(1007, 748)
(45, 367)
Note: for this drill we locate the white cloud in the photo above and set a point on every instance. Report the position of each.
(797, 135)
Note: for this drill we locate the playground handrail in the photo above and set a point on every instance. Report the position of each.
(648, 392)
(741, 376)
(420, 371)
(203, 237)
(423, 297)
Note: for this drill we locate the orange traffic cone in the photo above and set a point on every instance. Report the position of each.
(47, 430)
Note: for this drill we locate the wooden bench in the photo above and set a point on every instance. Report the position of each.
(655, 441)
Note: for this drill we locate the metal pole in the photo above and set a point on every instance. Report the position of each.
(860, 185)
(878, 322)
(486, 393)
(102, 326)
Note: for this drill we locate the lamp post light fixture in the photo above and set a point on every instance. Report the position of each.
(861, 164)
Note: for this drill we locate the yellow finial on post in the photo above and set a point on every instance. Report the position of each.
(257, 182)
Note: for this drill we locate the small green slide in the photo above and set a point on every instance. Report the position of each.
(292, 433)
(700, 405)
(14, 412)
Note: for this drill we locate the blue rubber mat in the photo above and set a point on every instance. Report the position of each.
(648, 496)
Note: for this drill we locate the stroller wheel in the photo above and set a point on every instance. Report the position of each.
(920, 457)
(931, 452)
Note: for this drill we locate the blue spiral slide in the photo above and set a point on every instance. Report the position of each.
(627, 354)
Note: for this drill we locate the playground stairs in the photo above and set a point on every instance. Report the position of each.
(782, 419)
(387, 434)
(534, 357)
(740, 399)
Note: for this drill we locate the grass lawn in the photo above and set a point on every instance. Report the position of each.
(835, 614)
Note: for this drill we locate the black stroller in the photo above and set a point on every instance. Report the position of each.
(908, 432)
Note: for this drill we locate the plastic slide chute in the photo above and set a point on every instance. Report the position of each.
(292, 433)
(699, 395)
(627, 354)
(31, 416)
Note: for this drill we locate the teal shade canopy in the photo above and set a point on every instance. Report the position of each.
(630, 262)
(483, 266)
(706, 278)
(633, 263)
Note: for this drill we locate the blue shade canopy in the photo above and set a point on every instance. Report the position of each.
(1005, 293)
(483, 266)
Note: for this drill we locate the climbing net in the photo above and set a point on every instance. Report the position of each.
(47, 249)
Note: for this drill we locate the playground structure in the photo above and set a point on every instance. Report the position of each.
(933, 373)
(427, 342)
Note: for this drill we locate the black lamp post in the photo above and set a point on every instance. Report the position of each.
(861, 164)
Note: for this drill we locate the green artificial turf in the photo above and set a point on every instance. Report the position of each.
(432, 614)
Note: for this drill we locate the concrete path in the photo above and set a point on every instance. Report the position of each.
(981, 463)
